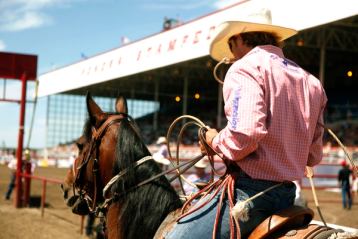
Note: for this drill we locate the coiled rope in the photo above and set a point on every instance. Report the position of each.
(201, 134)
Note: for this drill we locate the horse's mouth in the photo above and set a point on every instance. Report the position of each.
(65, 191)
(79, 205)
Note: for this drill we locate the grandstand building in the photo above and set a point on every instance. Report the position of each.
(169, 74)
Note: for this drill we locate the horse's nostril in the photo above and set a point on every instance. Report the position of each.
(80, 207)
(72, 200)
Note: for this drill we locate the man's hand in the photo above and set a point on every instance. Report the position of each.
(209, 136)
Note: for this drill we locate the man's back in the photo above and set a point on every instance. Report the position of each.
(293, 102)
(343, 176)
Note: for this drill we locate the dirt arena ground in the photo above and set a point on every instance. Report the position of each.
(59, 222)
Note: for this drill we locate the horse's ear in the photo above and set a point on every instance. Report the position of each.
(94, 111)
(121, 105)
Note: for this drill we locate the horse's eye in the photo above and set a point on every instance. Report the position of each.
(79, 146)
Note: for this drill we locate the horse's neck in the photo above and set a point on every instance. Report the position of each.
(167, 225)
(112, 222)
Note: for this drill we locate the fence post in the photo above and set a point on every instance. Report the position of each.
(82, 224)
(43, 197)
(27, 185)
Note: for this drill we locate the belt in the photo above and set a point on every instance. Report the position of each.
(239, 173)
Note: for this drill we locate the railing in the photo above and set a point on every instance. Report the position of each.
(44, 184)
(44, 180)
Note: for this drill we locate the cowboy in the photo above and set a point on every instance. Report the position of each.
(161, 156)
(274, 112)
(344, 175)
(199, 178)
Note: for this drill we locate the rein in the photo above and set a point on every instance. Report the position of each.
(93, 148)
(190, 163)
(123, 172)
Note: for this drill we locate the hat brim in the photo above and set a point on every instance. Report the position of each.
(161, 160)
(219, 47)
(161, 141)
(200, 164)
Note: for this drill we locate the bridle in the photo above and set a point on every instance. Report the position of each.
(84, 203)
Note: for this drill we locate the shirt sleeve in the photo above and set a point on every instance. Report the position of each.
(315, 152)
(245, 110)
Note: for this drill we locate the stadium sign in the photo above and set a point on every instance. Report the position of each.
(185, 42)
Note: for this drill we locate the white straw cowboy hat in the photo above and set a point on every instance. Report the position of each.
(160, 159)
(201, 164)
(162, 140)
(257, 22)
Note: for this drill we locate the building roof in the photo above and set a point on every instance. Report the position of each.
(183, 51)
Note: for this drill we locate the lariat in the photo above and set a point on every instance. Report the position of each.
(225, 185)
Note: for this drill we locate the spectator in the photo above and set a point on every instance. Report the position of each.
(161, 156)
(343, 178)
(71, 159)
(12, 165)
(200, 178)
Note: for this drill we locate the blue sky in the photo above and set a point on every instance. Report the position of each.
(60, 32)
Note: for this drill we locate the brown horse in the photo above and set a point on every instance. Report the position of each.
(111, 147)
(69, 179)
(117, 178)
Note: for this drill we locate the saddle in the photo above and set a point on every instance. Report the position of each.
(290, 223)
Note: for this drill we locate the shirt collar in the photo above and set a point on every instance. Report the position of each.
(268, 48)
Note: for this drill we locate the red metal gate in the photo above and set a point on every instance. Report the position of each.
(18, 67)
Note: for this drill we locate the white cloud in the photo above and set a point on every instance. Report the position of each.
(2, 45)
(17, 15)
(26, 21)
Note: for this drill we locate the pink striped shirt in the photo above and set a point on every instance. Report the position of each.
(272, 107)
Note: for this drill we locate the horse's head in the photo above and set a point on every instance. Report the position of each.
(69, 179)
(115, 170)
(92, 168)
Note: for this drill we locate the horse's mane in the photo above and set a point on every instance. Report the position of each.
(144, 208)
(87, 132)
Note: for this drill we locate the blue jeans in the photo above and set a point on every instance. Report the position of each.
(11, 185)
(346, 197)
(200, 223)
